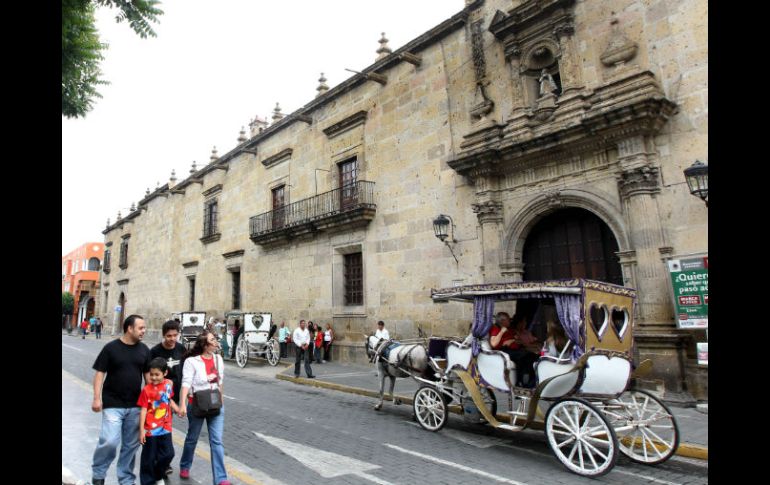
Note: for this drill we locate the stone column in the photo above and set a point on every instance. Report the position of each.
(571, 79)
(489, 211)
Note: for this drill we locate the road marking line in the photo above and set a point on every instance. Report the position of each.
(646, 477)
(71, 347)
(454, 465)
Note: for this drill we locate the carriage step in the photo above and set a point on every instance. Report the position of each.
(510, 427)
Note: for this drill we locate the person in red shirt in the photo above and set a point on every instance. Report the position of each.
(155, 423)
(84, 327)
(319, 343)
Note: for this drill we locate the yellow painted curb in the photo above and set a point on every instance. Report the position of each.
(688, 450)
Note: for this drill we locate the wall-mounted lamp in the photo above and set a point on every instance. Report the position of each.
(697, 176)
(441, 229)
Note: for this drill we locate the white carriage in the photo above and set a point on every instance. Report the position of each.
(192, 324)
(581, 398)
(255, 337)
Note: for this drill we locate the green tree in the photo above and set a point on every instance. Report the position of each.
(67, 303)
(81, 51)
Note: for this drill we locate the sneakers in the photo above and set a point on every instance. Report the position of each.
(184, 473)
(311, 377)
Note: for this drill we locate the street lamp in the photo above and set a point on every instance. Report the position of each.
(697, 176)
(441, 229)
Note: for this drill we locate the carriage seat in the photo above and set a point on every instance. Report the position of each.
(192, 330)
(458, 355)
(494, 366)
(548, 367)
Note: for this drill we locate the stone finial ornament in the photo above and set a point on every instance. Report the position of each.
(119, 216)
(157, 185)
(322, 86)
(242, 135)
(214, 155)
(132, 208)
(193, 169)
(384, 50)
(257, 125)
(147, 192)
(277, 115)
(108, 222)
(619, 48)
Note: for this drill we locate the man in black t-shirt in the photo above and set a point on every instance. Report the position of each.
(171, 351)
(124, 361)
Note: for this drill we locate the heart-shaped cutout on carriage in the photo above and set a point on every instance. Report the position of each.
(597, 316)
(619, 319)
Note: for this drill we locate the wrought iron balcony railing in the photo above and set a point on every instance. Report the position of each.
(350, 204)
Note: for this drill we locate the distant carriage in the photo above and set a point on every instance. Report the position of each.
(192, 324)
(256, 337)
(582, 397)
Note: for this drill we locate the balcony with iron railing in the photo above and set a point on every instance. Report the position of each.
(341, 209)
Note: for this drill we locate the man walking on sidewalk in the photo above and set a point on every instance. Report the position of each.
(125, 361)
(301, 339)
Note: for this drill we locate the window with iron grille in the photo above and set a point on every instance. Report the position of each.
(107, 255)
(192, 294)
(210, 218)
(236, 289)
(123, 255)
(354, 279)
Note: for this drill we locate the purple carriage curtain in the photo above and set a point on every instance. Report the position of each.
(483, 312)
(568, 309)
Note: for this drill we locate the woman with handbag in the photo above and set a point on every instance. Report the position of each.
(202, 382)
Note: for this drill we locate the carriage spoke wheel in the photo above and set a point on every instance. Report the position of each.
(581, 437)
(273, 352)
(242, 353)
(490, 402)
(430, 409)
(646, 429)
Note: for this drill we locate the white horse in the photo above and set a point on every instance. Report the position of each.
(402, 361)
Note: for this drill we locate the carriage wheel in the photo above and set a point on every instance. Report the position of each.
(646, 429)
(490, 401)
(273, 352)
(242, 353)
(430, 408)
(581, 437)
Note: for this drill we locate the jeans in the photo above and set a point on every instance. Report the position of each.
(317, 353)
(302, 355)
(120, 426)
(284, 350)
(216, 426)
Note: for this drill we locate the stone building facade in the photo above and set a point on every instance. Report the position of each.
(516, 118)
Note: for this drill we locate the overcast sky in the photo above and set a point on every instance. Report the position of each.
(213, 66)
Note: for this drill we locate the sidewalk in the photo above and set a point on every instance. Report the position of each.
(362, 380)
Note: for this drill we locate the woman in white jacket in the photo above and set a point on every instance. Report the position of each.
(203, 369)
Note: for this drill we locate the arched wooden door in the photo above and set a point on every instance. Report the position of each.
(571, 243)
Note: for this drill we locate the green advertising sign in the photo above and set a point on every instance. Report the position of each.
(690, 279)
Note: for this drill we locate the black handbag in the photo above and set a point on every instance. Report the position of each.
(207, 402)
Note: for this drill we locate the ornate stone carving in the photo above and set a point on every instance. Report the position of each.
(619, 49)
(488, 211)
(483, 105)
(642, 180)
(554, 199)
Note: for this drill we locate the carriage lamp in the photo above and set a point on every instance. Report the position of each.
(441, 229)
(697, 176)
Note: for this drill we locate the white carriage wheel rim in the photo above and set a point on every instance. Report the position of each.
(429, 408)
(585, 448)
(645, 440)
(272, 356)
(241, 353)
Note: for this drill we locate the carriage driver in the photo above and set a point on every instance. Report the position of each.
(382, 332)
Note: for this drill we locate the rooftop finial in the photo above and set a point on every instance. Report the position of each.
(147, 192)
(242, 135)
(277, 115)
(172, 180)
(322, 87)
(257, 125)
(108, 222)
(119, 217)
(132, 208)
(193, 169)
(214, 153)
(384, 50)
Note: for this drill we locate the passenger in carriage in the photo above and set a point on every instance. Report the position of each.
(556, 339)
(505, 339)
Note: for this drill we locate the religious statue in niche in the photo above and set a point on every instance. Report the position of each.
(547, 84)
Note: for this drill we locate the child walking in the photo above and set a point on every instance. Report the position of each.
(155, 424)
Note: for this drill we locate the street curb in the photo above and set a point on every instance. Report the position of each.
(688, 450)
